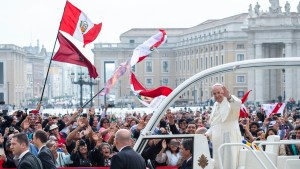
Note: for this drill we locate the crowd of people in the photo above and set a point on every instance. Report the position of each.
(87, 139)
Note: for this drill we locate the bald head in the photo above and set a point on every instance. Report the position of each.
(123, 138)
(123, 134)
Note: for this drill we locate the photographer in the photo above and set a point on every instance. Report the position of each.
(19, 116)
(5, 120)
(293, 149)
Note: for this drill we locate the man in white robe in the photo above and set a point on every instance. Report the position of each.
(225, 127)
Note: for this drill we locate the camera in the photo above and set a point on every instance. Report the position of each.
(4, 112)
(2, 102)
(294, 136)
(11, 130)
(110, 105)
(81, 143)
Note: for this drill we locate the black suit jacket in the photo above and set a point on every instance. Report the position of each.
(127, 159)
(187, 164)
(47, 158)
(29, 161)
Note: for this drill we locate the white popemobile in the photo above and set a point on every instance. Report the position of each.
(248, 158)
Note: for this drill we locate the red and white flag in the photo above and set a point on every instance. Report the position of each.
(143, 50)
(78, 25)
(68, 53)
(274, 108)
(139, 53)
(151, 98)
(243, 110)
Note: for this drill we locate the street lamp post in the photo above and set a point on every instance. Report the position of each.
(82, 82)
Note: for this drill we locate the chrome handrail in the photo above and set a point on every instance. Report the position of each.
(238, 144)
(273, 143)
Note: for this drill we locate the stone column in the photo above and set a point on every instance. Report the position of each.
(251, 73)
(259, 77)
(267, 48)
(288, 74)
(273, 73)
(298, 73)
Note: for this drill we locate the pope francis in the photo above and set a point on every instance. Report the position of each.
(224, 126)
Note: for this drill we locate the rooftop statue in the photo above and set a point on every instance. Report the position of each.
(256, 9)
(274, 8)
(250, 10)
(287, 7)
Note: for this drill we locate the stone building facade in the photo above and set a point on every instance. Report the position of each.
(251, 35)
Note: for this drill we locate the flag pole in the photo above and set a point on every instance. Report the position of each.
(51, 57)
(86, 103)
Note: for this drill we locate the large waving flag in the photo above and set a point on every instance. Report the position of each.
(143, 50)
(68, 53)
(139, 53)
(275, 108)
(243, 110)
(150, 98)
(78, 25)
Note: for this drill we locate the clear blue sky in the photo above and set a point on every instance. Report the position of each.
(25, 21)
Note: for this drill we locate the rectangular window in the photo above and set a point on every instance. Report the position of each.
(149, 81)
(240, 57)
(240, 93)
(180, 65)
(205, 62)
(1, 96)
(222, 59)
(1, 73)
(165, 66)
(184, 65)
(201, 63)
(240, 78)
(131, 41)
(197, 63)
(211, 61)
(165, 81)
(188, 65)
(148, 67)
(217, 61)
(240, 46)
